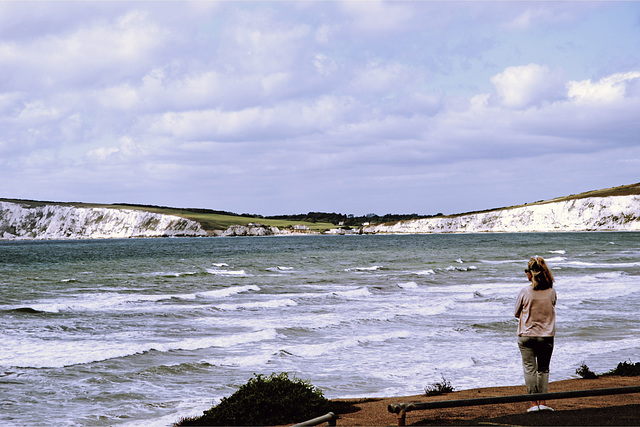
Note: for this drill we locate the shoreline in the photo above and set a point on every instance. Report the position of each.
(374, 412)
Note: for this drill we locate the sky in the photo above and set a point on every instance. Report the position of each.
(283, 107)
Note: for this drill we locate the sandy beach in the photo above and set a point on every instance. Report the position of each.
(620, 410)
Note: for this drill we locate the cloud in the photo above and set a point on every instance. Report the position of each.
(607, 90)
(527, 85)
(391, 106)
(87, 55)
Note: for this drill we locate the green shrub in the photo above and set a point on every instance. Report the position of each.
(626, 369)
(439, 388)
(586, 373)
(272, 400)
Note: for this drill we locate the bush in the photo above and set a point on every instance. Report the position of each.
(585, 372)
(272, 400)
(439, 388)
(626, 369)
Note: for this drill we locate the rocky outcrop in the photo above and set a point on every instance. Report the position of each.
(249, 230)
(21, 221)
(615, 213)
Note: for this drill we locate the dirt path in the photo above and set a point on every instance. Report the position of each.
(621, 409)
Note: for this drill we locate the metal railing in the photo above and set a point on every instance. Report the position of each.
(402, 408)
(330, 418)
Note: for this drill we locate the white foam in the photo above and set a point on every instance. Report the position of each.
(354, 293)
(315, 350)
(227, 272)
(425, 272)
(601, 264)
(275, 303)
(372, 268)
(408, 285)
(226, 292)
(555, 259)
(42, 353)
(504, 261)
(109, 301)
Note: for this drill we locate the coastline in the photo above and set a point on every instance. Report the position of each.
(598, 409)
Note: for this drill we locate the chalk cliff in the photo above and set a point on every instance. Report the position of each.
(22, 221)
(52, 221)
(620, 213)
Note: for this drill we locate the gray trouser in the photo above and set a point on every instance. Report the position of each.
(536, 356)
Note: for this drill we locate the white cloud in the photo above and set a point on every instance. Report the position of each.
(283, 120)
(527, 85)
(609, 89)
(86, 55)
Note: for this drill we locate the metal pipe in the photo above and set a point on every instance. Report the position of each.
(402, 408)
(330, 418)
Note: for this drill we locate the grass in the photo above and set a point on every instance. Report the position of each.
(436, 389)
(586, 373)
(624, 369)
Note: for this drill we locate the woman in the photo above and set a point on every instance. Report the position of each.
(535, 309)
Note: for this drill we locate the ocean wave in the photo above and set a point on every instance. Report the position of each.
(504, 261)
(555, 259)
(315, 350)
(427, 310)
(123, 302)
(408, 285)
(40, 353)
(24, 310)
(425, 272)
(454, 268)
(354, 293)
(372, 268)
(179, 273)
(226, 272)
(601, 264)
(275, 303)
(226, 292)
(559, 251)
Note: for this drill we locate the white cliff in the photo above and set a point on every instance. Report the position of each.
(21, 221)
(614, 213)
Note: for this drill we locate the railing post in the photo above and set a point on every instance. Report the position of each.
(402, 418)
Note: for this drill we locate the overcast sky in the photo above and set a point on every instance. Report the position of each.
(289, 107)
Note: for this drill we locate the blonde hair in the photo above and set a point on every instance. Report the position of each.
(541, 276)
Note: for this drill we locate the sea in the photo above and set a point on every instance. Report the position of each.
(143, 332)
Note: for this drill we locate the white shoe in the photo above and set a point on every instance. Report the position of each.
(545, 408)
(533, 409)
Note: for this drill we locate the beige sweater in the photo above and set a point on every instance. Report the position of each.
(536, 311)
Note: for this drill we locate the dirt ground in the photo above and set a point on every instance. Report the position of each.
(618, 410)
